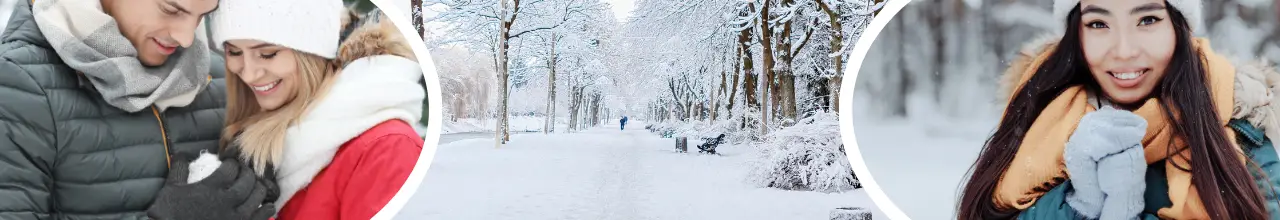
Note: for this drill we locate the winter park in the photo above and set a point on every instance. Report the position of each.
(644, 109)
(927, 96)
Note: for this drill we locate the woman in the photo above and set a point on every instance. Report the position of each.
(1123, 75)
(321, 102)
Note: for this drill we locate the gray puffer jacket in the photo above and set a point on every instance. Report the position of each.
(66, 154)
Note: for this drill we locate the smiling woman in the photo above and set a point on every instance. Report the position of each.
(1141, 57)
(1126, 109)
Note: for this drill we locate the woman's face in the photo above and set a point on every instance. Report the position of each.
(270, 71)
(1128, 44)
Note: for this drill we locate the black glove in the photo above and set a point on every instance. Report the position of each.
(233, 191)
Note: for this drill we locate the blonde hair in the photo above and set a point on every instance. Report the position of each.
(260, 134)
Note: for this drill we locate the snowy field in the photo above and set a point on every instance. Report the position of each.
(920, 162)
(604, 173)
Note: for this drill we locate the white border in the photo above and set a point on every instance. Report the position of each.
(846, 106)
(401, 20)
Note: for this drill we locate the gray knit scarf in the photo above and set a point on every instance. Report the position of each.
(88, 40)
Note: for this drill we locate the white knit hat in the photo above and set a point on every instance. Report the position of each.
(310, 26)
(1191, 9)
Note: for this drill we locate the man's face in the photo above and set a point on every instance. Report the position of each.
(158, 27)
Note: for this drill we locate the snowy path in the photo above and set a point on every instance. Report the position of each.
(604, 173)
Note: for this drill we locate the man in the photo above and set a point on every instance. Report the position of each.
(98, 98)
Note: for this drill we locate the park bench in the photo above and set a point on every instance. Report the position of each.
(709, 144)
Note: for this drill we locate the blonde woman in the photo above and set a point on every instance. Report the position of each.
(320, 101)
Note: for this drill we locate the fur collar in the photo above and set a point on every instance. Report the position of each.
(1256, 83)
(378, 82)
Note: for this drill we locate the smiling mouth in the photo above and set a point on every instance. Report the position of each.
(1128, 78)
(1128, 75)
(265, 88)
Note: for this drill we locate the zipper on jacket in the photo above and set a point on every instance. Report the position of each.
(164, 138)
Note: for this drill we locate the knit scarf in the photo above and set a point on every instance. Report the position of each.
(89, 41)
(1038, 165)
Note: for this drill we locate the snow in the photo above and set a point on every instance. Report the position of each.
(805, 156)
(518, 124)
(604, 173)
(921, 164)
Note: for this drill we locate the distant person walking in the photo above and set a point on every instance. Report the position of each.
(624, 123)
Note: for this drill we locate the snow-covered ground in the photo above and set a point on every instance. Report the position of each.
(518, 124)
(920, 162)
(604, 173)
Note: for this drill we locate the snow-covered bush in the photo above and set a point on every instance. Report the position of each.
(808, 156)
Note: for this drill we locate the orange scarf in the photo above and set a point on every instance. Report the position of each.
(1038, 164)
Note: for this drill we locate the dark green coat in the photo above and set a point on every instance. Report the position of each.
(66, 154)
(1256, 146)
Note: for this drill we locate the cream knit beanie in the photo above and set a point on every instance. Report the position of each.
(1191, 9)
(310, 26)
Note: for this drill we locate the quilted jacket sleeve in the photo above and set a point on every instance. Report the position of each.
(26, 142)
(27, 147)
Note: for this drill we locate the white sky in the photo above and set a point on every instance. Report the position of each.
(621, 8)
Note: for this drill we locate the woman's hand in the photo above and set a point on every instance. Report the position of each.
(1105, 161)
(233, 191)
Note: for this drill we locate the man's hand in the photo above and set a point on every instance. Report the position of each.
(233, 191)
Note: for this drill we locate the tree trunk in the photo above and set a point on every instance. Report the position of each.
(733, 91)
(574, 108)
(416, 10)
(837, 43)
(833, 84)
(750, 79)
(595, 109)
(785, 87)
(766, 43)
(715, 98)
(503, 45)
(551, 89)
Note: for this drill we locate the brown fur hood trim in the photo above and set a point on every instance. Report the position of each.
(373, 34)
(1256, 83)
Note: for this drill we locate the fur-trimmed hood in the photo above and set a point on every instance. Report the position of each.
(377, 82)
(1256, 83)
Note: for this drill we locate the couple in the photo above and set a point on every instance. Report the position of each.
(106, 103)
(1126, 114)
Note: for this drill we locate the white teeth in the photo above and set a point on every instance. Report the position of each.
(1127, 76)
(264, 88)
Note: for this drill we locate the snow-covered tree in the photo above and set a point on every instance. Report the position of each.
(494, 25)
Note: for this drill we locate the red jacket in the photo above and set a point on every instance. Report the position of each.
(363, 176)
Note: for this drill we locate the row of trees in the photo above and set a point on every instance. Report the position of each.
(533, 46)
(759, 62)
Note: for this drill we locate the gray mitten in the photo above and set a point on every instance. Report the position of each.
(1122, 178)
(1105, 160)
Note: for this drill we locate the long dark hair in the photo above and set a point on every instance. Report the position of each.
(1184, 95)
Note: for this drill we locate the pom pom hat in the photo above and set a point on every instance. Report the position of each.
(310, 26)
(1191, 9)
